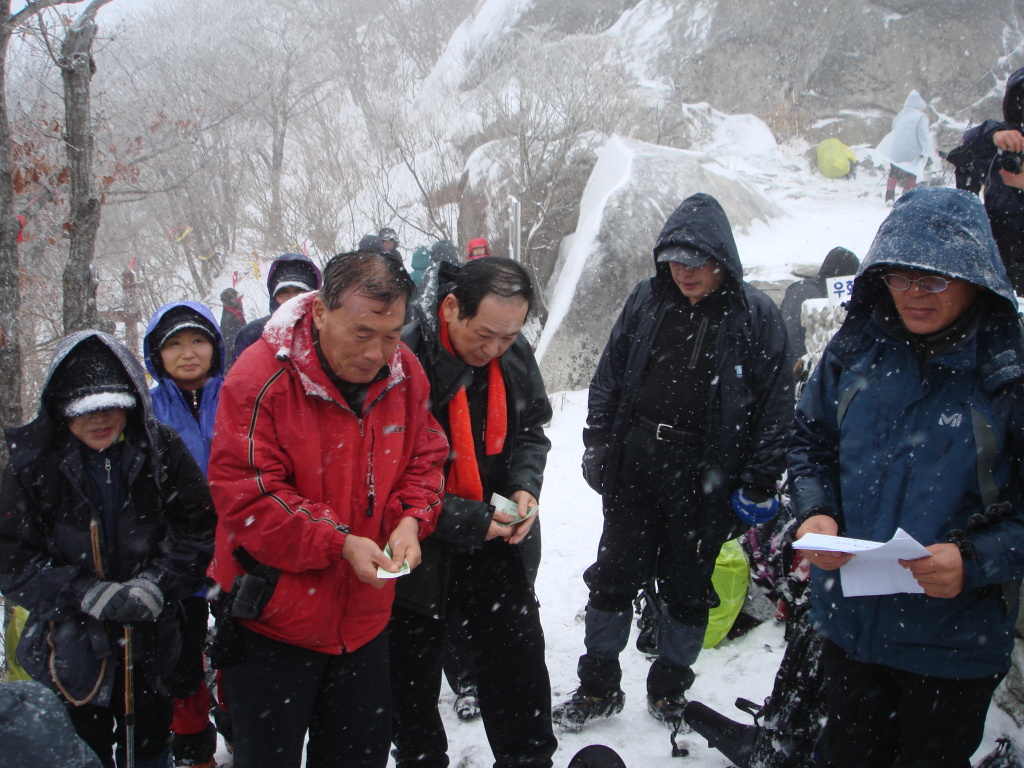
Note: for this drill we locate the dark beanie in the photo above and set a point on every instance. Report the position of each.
(371, 243)
(91, 378)
(180, 319)
(298, 274)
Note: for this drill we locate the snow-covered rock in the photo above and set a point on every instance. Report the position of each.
(632, 191)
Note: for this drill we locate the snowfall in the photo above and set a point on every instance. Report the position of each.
(819, 214)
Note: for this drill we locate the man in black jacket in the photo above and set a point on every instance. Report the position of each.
(686, 427)
(291, 274)
(487, 393)
(992, 144)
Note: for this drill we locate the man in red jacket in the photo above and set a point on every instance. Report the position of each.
(324, 452)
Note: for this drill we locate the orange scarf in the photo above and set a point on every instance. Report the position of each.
(464, 474)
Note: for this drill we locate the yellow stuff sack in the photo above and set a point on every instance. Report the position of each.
(834, 158)
(730, 582)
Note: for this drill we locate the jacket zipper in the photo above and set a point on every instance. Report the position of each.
(699, 342)
(106, 466)
(369, 476)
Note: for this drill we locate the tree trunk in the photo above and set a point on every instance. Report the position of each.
(77, 67)
(10, 290)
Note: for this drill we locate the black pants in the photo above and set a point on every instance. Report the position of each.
(102, 727)
(502, 622)
(657, 522)
(457, 651)
(879, 717)
(282, 691)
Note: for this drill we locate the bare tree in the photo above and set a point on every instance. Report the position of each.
(77, 68)
(10, 284)
(548, 104)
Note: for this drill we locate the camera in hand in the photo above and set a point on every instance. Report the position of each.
(1011, 162)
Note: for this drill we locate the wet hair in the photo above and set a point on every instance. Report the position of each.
(374, 274)
(495, 274)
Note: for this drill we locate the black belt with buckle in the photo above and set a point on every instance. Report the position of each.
(668, 433)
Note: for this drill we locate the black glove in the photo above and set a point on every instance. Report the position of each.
(97, 600)
(136, 600)
(143, 601)
(593, 464)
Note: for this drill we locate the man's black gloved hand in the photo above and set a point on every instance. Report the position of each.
(136, 600)
(593, 464)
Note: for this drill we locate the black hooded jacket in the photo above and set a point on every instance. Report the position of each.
(1005, 205)
(839, 262)
(55, 544)
(750, 401)
(252, 331)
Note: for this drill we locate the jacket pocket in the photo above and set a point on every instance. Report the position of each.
(73, 658)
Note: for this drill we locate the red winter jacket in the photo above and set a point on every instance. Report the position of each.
(293, 470)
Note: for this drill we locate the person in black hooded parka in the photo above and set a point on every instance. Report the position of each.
(839, 262)
(107, 525)
(688, 413)
(289, 275)
(1004, 191)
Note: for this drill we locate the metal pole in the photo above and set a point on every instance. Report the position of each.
(129, 698)
(515, 241)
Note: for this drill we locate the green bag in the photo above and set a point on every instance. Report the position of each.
(13, 635)
(730, 581)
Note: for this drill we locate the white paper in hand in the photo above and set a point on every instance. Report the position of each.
(875, 570)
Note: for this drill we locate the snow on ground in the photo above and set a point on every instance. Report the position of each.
(571, 518)
(821, 213)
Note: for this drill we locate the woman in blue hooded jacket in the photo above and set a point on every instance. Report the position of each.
(185, 355)
(914, 419)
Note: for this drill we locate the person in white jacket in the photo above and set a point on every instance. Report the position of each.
(908, 146)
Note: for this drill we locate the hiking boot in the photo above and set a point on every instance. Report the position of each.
(667, 708)
(466, 705)
(667, 685)
(583, 707)
(732, 739)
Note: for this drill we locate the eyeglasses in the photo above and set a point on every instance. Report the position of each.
(928, 283)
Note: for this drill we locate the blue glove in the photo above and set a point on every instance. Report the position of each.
(754, 506)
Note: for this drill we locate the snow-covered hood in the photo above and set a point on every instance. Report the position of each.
(700, 222)
(126, 358)
(289, 332)
(38, 433)
(272, 274)
(937, 229)
(914, 102)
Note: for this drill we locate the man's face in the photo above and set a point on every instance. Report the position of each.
(697, 282)
(389, 245)
(360, 336)
(478, 252)
(924, 313)
(99, 429)
(479, 339)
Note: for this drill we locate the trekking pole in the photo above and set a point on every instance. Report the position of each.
(129, 698)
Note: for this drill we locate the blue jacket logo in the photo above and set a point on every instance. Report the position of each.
(951, 420)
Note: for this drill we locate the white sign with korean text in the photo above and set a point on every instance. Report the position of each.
(839, 289)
